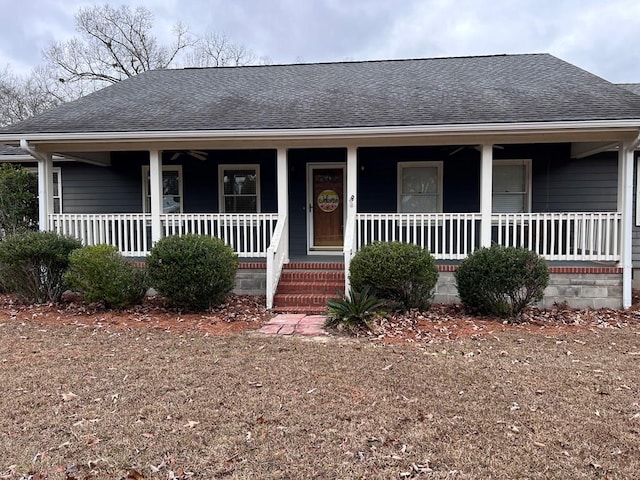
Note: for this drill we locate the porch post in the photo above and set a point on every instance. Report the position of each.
(352, 208)
(283, 195)
(155, 191)
(625, 206)
(486, 186)
(45, 190)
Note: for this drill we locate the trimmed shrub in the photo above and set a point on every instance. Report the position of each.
(193, 271)
(32, 265)
(18, 200)
(501, 280)
(102, 275)
(352, 313)
(401, 273)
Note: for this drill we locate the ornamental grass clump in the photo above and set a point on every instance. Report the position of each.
(402, 274)
(193, 272)
(32, 265)
(501, 281)
(102, 275)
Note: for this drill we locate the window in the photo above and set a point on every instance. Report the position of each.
(511, 186)
(171, 189)
(57, 188)
(239, 188)
(419, 187)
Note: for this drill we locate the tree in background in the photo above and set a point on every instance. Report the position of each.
(113, 43)
(18, 200)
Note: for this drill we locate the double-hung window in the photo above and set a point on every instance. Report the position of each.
(57, 188)
(239, 188)
(419, 187)
(511, 186)
(171, 189)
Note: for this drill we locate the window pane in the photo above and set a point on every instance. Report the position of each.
(240, 204)
(170, 183)
(240, 182)
(509, 203)
(419, 180)
(170, 204)
(509, 178)
(419, 203)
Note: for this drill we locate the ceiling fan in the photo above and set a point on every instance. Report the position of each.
(197, 154)
(459, 148)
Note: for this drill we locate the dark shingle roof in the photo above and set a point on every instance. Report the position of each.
(461, 90)
(8, 150)
(632, 87)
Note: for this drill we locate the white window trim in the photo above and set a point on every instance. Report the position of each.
(237, 166)
(527, 177)
(403, 165)
(165, 168)
(57, 170)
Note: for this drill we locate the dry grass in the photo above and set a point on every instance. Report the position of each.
(86, 402)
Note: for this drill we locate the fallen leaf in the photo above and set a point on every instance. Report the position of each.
(191, 424)
(67, 397)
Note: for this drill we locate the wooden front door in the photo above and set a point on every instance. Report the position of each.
(326, 207)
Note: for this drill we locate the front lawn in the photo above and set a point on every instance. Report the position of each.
(92, 401)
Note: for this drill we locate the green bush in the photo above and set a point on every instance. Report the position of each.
(400, 273)
(501, 280)
(352, 313)
(193, 271)
(102, 274)
(32, 265)
(18, 200)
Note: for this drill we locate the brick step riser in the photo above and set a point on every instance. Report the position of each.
(314, 266)
(311, 275)
(301, 300)
(311, 288)
(307, 310)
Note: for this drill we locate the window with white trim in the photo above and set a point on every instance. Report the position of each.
(239, 187)
(57, 187)
(511, 186)
(419, 187)
(171, 189)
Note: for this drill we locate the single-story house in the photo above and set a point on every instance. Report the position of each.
(299, 166)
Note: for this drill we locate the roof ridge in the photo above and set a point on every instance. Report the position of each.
(353, 62)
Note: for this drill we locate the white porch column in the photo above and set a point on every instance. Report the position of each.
(625, 206)
(351, 203)
(45, 190)
(486, 187)
(282, 170)
(155, 191)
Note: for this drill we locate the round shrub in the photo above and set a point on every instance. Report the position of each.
(400, 273)
(193, 271)
(102, 274)
(501, 280)
(32, 265)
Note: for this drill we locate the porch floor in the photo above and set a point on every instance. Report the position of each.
(295, 324)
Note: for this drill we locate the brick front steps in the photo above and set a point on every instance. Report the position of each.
(305, 287)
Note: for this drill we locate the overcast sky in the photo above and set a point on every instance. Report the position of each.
(602, 36)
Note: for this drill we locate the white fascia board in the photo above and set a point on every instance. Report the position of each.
(338, 132)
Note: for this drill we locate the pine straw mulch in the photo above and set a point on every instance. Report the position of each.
(241, 313)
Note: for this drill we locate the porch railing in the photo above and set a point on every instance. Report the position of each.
(129, 232)
(249, 234)
(448, 236)
(276, 257)
(581, 236)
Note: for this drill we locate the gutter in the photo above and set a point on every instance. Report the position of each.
(333, 132)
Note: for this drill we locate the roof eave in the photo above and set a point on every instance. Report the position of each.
(618, 129)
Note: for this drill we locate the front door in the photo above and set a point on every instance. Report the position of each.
(326, 207)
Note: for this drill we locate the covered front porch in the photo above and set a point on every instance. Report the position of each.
(368, 204)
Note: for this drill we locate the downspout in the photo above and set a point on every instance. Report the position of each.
(627, 227)
(45, 183)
